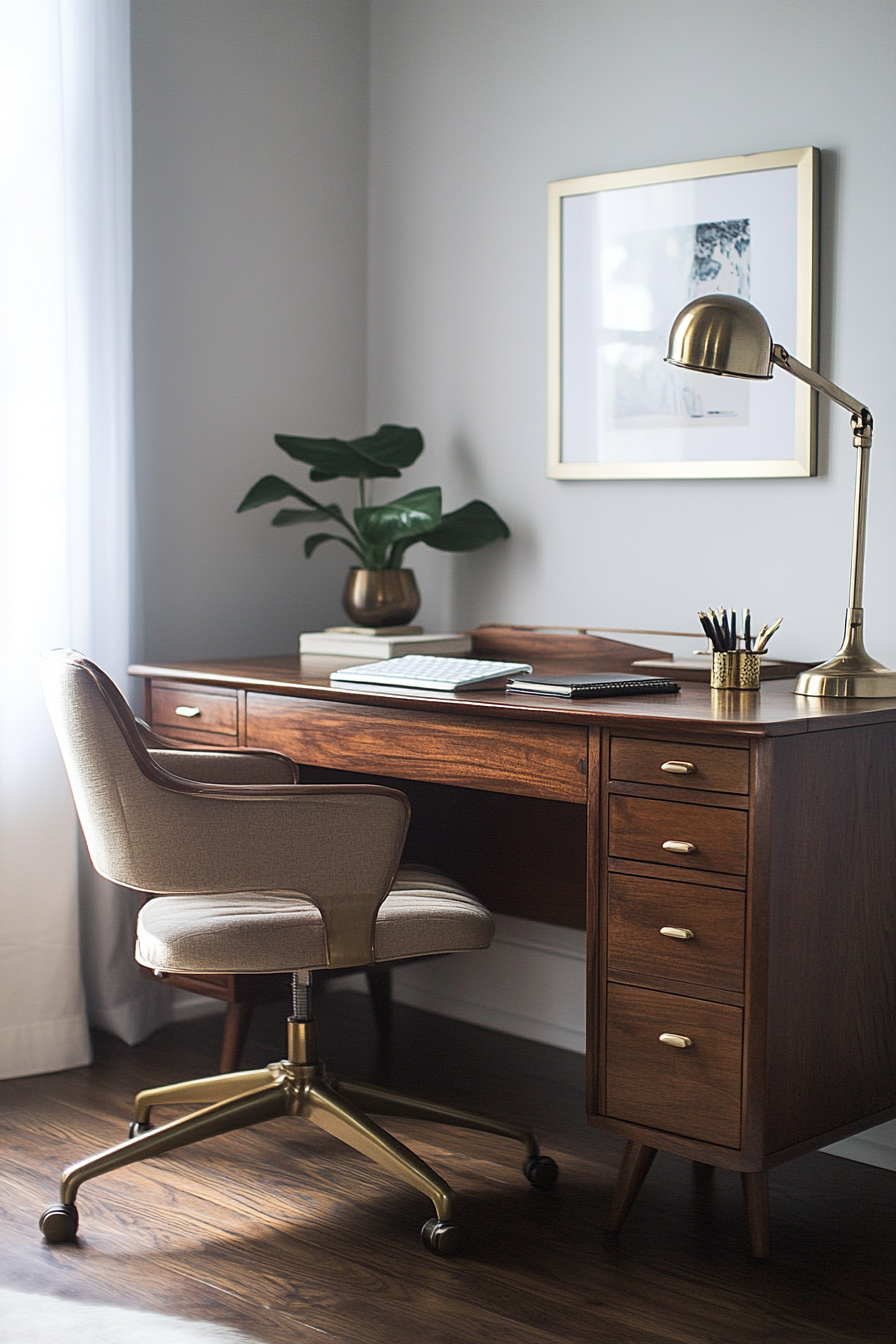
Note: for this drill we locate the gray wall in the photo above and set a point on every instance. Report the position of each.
(250, 226)
(475, 106)
(251, 223)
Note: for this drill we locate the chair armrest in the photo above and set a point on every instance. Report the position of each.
(339, 845)
(227, 767)
(242, 765)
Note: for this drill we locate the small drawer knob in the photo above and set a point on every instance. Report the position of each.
(679, 846)
(679, 768)
(188, 711)
(669, 931)
(672, 1038)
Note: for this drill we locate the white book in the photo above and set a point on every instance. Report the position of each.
(372, 645)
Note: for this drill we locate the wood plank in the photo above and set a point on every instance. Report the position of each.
(547, 761)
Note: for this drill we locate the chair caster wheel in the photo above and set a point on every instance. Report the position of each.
(541, 1172)
(440, 1238)
(139, 1127)
(59, 1222)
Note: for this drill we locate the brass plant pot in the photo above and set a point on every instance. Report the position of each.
(377, 597)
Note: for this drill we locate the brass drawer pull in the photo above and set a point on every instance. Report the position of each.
(679, 768)
(670, 1038)
(680, 846)
(668, 931)
(188, 711)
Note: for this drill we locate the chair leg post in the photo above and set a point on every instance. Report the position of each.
(379, 986)
(383, 1101)
(219, 1087)
(236, 1113)
(335, 1113)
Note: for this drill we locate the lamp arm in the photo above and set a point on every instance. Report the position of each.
(862, 426)
(806, 375)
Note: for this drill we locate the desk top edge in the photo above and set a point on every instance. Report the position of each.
(773, 711)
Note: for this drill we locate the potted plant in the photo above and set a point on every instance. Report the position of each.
(379, 591)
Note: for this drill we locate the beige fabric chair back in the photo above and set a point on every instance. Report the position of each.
(337, 845)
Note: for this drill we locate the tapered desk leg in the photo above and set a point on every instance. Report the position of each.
(636, 1162)
(755, 1184)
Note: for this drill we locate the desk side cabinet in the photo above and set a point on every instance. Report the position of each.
(742, 991)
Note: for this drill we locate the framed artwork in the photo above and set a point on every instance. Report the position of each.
(626, 252)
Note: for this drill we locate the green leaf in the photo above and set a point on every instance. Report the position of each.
(384, 453)
(467, 528)
(318, 538)
(391, 447)
(367, 474)
(271, 488)
(329, 457)
(410, 516)
(289, 517)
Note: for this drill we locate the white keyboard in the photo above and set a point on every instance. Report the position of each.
(430, 674)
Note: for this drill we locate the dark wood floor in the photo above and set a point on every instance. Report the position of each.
(284, 1234)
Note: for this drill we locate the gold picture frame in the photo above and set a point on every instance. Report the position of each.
(627, 251)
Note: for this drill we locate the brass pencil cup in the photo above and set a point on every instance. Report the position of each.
(736, 670)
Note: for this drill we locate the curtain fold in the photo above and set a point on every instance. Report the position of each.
(65, 504)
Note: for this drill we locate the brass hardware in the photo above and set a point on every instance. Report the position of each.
(671, 1038)
(281, 1089)
(220, 1087)
(188, 711)
(301, 1042)
(290, 1087)
(735, 670)
(669, 931)
(680, 846)
(679, 768)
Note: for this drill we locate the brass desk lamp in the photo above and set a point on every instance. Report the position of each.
(726, 335)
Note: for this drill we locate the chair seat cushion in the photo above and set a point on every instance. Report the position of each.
(424, 914)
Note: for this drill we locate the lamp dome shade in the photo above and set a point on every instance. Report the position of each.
(720, 333)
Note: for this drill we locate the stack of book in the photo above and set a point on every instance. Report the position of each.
(356, 641)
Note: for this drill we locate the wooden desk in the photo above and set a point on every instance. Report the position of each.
(781, 1006)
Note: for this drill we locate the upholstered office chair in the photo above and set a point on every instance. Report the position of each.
(258, 874)
(242, 993)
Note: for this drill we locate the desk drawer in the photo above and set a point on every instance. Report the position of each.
(639, 908)
(693, 1091)
(641, 827)
(181, 711)
(541, 761)
(719, 769)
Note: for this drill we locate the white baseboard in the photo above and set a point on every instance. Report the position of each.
(529, 983)
(875, 1147)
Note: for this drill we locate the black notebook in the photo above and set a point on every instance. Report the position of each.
(587, 685)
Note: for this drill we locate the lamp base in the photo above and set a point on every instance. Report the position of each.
(851, 672)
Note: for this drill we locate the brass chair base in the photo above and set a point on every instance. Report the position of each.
(238, 1100)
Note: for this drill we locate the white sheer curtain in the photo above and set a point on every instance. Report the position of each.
(65, 504)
